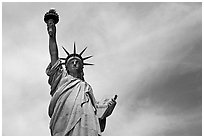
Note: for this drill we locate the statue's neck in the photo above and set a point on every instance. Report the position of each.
(77, 75)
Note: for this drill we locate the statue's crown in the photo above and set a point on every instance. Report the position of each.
(79, 56)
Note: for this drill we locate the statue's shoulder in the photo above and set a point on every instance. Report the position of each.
(85, 84)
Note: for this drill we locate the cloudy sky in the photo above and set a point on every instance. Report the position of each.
(150, 54)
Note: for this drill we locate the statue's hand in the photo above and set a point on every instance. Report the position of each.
(51, 28)
(112, 103)
(111, 106)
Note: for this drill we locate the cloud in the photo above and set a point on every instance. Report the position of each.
(147, 53)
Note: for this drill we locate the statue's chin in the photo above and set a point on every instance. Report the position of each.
(74, 70)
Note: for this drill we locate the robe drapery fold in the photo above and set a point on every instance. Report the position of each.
(72, 108)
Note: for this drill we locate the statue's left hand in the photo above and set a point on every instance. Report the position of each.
(111, 106)
(112, 103)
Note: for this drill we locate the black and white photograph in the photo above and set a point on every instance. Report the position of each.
(101, 68)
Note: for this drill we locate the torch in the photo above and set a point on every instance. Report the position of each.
(51, 18)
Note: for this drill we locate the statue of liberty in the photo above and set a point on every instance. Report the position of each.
(73, 108)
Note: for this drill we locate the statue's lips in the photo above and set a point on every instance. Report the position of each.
(75, 68)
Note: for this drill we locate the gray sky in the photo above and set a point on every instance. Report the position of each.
(150, 54)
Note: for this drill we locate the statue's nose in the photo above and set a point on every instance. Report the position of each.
(75, 63)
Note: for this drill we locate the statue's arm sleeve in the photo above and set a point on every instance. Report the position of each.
(100, 111)
(102, 122)
(54, 72)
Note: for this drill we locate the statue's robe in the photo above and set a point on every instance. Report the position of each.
(73, 107)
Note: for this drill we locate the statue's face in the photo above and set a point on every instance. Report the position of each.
(74, 65)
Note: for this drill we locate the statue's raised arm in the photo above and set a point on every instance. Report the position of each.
(51, 18)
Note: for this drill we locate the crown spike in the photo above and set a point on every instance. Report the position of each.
(74, 49)
(87, 57)
(65, 51)
(83, 51)
(88, 64)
